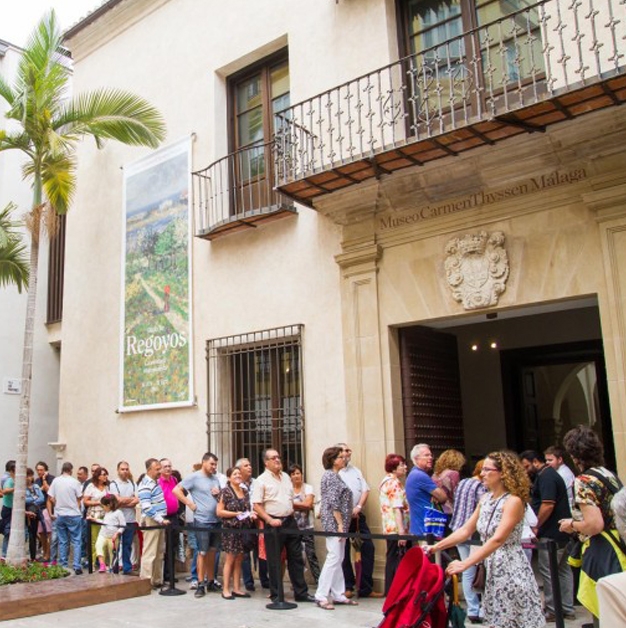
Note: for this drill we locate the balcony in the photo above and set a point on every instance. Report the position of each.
(546, 63)
(236, 193)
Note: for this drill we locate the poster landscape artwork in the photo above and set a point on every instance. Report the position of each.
(156, 365)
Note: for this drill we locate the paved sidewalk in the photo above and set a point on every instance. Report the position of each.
(156, 610)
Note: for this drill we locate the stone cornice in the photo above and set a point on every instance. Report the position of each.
(121, 16)
(359, 257)
(608, 203)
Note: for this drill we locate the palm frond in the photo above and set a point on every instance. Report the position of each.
(13, 253)
(113, 114)
(6, 91)
(14, 265)
(58, 178)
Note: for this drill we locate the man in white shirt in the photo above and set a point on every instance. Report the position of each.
(554, 459)
(64, 495)
(353, 477)
(126, 492)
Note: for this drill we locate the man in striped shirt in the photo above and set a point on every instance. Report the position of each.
(153, 512)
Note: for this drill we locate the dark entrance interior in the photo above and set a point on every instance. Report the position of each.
(517, 379)
(548, 390)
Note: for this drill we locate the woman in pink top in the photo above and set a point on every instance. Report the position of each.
(447, 475)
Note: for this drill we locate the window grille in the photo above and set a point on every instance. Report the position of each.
(255, 396)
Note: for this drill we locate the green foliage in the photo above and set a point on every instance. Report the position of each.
(13, 254)
(32, 572)
(49, 124)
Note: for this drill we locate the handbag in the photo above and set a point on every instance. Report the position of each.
(480, 577)
(435, 521)
(478, 583)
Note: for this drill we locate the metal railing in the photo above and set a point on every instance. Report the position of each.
(533, 54)
(235, 188)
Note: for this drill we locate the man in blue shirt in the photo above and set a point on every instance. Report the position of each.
(420, 488)
(204, 488)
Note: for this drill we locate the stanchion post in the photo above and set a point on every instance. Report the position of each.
(89, 550)
(171, 590)
(555, 583)
(279, 604)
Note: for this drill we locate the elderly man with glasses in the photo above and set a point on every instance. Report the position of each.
(272, 497)
(420, 488)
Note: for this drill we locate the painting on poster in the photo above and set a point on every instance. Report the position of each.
(156, 365)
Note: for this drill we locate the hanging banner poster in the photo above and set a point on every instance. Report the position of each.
(156, 360)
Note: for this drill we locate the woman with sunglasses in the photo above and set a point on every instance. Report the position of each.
(511, 598)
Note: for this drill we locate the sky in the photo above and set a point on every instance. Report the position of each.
(18, 18)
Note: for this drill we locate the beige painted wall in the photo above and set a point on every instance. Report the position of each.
(178, 54)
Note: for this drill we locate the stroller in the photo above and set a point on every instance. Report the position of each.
(416, 596)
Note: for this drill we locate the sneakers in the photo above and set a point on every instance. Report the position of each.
(212, 587)
(103, 568)
(194, 585)
(199, 592)
(78, 572)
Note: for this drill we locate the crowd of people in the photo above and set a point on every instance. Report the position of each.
(507, 502)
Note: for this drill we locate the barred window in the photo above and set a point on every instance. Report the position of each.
(255, 396)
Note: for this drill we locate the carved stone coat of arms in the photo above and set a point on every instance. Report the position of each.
(477, 268)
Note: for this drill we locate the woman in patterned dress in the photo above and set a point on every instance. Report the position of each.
(335, 513)
(511, 598)
(235, 511)
(395, 513)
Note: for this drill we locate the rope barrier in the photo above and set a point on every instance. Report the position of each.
(280, 603)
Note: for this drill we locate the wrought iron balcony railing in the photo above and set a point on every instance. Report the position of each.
(490, 82)
(237, 192)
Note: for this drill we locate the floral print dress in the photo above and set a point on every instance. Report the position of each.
(511, 598)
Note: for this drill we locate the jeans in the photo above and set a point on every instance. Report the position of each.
(6, 528)
(54, 542)
(127, 546)
(69, 530)
(471, 597)
(193, 545)
(366, 586)
(566, 580)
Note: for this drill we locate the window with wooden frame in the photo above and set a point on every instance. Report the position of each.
(256, 95)
(459, 43)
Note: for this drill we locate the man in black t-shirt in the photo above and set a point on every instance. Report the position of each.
(550, 503)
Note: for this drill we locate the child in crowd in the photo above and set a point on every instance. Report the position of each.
(112, 527)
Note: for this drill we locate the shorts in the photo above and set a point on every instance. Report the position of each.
(206, 538)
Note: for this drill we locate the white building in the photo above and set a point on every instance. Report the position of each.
(443, 259)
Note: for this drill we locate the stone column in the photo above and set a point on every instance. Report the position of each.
(609, 205)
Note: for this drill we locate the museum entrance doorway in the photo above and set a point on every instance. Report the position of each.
(516, 379)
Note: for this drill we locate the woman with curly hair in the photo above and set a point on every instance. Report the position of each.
(447, 475)
(511, 598)
(593, 518)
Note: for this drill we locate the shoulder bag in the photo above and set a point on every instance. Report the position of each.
(478, 583)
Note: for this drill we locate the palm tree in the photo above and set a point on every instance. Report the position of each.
(50, 124)
(13, 260)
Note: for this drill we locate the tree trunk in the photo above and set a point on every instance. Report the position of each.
(16, 552)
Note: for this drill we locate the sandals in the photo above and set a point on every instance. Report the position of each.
(347, 602)
(325, 604)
